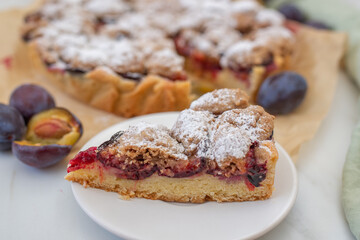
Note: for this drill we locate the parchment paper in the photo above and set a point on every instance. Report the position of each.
(317, 57)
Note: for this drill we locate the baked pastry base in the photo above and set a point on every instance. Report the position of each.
(195, 189)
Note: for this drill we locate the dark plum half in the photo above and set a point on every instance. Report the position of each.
(12, 126)
(54, 126)
(40, 156)
(49, 138)
(30, 99)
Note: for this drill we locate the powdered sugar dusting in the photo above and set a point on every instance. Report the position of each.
(275, 33)
(238, 52)
(270, 16)
(234, 133)
(229, 141)
(102, 7)
(164, 60)
(192, 129)
(221, 100)
(151, 136)
(245, 6)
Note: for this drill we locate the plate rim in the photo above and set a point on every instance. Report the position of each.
(289, 204)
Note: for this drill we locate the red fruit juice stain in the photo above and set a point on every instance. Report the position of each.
(7, 61)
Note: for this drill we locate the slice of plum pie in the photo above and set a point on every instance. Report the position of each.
(220, 149)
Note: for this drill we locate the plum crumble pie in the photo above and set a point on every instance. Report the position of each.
(214, 152)
(142, 56)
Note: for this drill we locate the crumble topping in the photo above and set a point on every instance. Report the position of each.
(245, 6)
(84, 34)
(192, 130)
(263, 152)
(164, 60)
(149, 141)
(235, 131)
(224, 138)
(270, 17)
(106, 7)
(255, 49)
(221, 100)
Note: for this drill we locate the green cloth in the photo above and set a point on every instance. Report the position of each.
(351, 184)
(343, 16)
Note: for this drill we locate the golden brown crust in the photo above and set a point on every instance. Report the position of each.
(110, 92)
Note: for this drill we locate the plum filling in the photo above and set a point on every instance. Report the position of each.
(100, 22)
(26, 37)
(188, 169)
(132, 76)
(136, 169)
(180, 76)
(253, 174)
(271, 136)
(82, 159)
(75, 70)
(242, 73)
(256, 172)
(199, 59)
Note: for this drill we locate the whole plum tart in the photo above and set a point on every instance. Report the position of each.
(220, 149)
(142, 56)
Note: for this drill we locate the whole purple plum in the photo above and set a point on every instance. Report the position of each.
(282, 93)
(30, 99)
(12, 126)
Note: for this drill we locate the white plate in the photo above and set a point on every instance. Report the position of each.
(149, 219)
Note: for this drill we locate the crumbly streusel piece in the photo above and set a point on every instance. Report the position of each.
(221, 100)
(148, 141)
(192, 129)
(235, 131)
